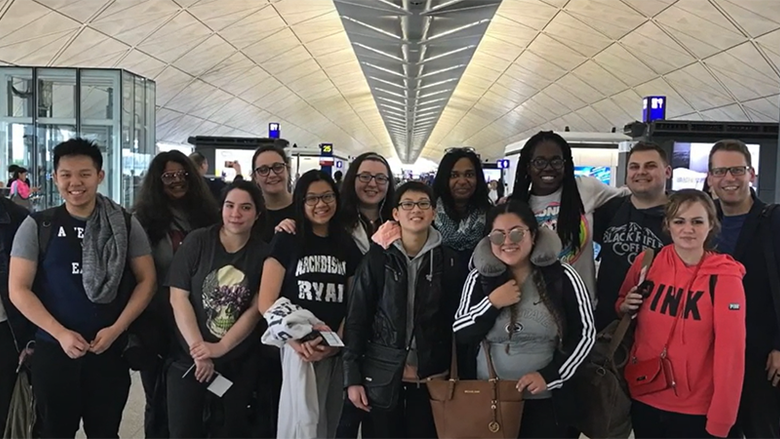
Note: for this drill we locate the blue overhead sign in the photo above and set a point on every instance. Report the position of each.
(274, 130)
(653, 108)
(502, 164)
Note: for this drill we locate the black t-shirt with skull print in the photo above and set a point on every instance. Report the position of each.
(222, 285)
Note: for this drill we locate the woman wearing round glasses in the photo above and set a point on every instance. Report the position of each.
(313, 270)
(562, 202)
(533, 311)
(173, 201)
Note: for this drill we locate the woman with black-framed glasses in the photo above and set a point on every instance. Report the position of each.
(173, 201)
(562, 202)
(313, 269)
(271, 171)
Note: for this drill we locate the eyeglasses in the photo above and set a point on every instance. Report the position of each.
(264, 170)
(381, 179)
(409, 205)
(497, 237)
(170, 177)
(736, 171)
(541, 163)
(312, 200)
(454, 175)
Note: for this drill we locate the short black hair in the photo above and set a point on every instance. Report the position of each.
(649, 146)
(78, 146)
(413, 186)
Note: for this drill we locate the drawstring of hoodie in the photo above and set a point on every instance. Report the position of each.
(429, 276)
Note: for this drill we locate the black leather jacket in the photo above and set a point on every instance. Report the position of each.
(377, 310)
(11, 217)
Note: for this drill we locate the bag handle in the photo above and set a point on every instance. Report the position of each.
(491, 369)
(648, 255)
(454, 361)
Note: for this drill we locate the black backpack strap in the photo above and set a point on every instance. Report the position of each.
(45, 221)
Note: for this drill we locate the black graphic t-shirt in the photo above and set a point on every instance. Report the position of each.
(221, 284)
(623, 232)
(316, 273)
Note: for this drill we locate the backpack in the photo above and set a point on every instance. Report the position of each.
(140, 346)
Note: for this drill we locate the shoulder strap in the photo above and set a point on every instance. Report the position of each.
(713, 282)
(45, 222)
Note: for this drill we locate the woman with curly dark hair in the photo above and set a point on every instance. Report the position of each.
(173, 201)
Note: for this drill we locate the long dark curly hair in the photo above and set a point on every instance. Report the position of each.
(350, 203)
(524, 212)
(571, 209)
(153, 206)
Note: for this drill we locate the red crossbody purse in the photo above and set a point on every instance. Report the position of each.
(657, 374)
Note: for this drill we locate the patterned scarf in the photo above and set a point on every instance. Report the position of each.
(461, 234)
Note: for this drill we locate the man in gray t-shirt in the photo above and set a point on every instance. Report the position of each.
(79, 372)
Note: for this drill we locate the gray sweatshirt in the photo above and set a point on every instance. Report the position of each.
(413, 266)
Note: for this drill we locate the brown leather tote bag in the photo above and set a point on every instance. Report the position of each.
(470, 409)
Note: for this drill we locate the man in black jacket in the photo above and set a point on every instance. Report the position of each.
(625, 226)
(750, 234)
(399, 320)
(15, 330)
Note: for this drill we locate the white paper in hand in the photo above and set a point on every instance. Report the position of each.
(220, 385)
(332, 339)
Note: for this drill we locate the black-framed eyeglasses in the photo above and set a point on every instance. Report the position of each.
(541, 163)
(497, 237)
(170, 177)
(409, 205)
(312, 200)
(736, 171)
(365, 177)
(264, 170)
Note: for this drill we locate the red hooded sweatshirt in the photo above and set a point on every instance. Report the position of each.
(707, 349)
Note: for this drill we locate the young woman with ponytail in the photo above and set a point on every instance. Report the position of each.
(532, 311)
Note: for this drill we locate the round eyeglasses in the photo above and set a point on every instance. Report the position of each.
(497, 237)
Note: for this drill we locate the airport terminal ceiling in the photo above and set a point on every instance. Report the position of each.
(409, 78)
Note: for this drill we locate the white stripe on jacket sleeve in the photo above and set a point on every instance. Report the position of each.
(467, 315)
(588, 337)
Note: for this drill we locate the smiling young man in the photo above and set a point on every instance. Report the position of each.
(399, 320)
(625, 226)
(745, 233)
(82, 285)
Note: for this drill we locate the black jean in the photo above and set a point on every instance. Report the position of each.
(93, 388)
(187, 399)
(411, 418)
(351, 420)
(759, 407)
(155, 408)
(652, 423)
(8, 363)
(540, 420)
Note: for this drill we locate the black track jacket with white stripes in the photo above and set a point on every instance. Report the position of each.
(568, 294)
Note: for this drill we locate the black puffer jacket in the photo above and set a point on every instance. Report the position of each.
(377, 310)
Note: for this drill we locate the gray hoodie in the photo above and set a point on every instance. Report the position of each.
(413, 266)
